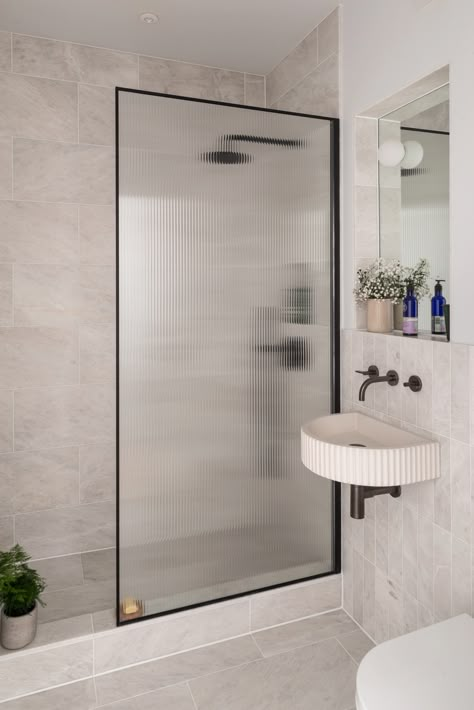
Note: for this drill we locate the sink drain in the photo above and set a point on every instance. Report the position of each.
(360, 446)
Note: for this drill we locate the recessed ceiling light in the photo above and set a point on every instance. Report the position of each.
(149, 18)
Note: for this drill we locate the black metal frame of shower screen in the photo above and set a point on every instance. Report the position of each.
(335, 340)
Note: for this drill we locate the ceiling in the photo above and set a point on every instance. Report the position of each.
(246, 35)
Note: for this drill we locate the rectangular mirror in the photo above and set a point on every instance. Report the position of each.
(414, 189)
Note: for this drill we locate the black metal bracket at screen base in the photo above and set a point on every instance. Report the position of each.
(359, 494)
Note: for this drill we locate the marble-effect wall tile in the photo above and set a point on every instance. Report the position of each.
(38, 108)
(171, 77)
(38, 233)
(6, 295)
(41, 57)
(62, 172)
(5, 51)
(6, 168)
(96, 115)
(424, 559)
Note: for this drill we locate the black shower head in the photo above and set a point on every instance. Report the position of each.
(226, 157)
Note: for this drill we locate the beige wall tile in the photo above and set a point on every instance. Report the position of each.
(35, 671)
(6, 532)
(317, 93)
(97, 285)
(64, 531)
(63, 295)
(35, 233)
(462, 573)
(62, 172)
(6, 420)
(97, 352)
(461, 491)
(97, 234)
(38, 356)
(5, 51)
(366, 163)
(6, 293)
(442, 574)
(99, 565)
(76, 696)
(88, 598)
(73, 62)
(98, 469)
(39, 480)
(367, 240)
(147, 677)
(254, 90)
(328, 36)
(184, 79)
(172, 634)
(295, 602)
(38, 108)
(6, 168)
(96, 115)
(293, 68)
(63, 416)
(61, 572)
(460, 393)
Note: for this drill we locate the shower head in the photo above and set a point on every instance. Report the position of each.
(226, 157)
(233, 157)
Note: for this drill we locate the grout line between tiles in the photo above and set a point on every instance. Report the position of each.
(188, 685)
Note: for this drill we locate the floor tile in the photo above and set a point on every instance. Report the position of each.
(305, 679)
(176, 698)
(357, 644)
(304, 632)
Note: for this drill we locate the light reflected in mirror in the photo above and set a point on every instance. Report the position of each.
(414, 189)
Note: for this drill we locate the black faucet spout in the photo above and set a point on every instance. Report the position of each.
(391, 378)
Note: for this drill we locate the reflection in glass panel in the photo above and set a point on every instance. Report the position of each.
(224, 349)
(414, 201)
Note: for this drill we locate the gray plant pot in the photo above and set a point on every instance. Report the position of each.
(18, 631)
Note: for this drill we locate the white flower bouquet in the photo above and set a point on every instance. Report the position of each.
(388, 280)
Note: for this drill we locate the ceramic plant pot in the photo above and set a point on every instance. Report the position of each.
(379, 315)
(398, 316)
(18, 631)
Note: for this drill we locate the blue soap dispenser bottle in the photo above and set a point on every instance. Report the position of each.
(410, 312)
(438, 302)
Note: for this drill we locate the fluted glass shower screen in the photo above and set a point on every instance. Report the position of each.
(227, 343)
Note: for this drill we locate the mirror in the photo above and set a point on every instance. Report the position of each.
(414, 189)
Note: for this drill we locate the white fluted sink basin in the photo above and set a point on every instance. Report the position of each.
(355, 448)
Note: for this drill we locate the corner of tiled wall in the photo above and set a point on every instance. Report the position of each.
(307, 80)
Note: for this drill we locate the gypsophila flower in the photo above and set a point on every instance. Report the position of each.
(389, 279)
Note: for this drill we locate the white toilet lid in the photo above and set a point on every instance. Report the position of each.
(430, 669)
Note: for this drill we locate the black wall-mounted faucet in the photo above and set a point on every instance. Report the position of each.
(373, 376)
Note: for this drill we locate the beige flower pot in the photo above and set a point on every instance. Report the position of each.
(18, 631)
(398, 316)
(379, 315)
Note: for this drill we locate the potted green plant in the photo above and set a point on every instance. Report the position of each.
(378, 285)
(20, 593)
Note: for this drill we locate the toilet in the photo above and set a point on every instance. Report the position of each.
(429, 669)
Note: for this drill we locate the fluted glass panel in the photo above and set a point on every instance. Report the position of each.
(224, 349)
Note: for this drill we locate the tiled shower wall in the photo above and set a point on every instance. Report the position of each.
(307, 80)
(57, 275)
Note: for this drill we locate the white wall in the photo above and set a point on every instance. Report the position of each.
(388, 44)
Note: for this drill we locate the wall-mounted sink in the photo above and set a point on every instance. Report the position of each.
(365, 452)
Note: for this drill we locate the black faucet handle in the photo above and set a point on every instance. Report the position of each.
(373, 371)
